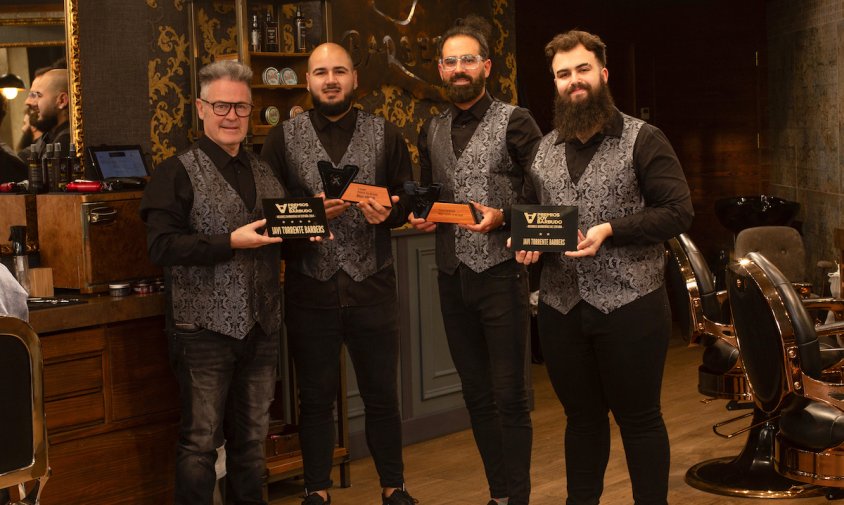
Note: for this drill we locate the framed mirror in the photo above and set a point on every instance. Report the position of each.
(35, 34)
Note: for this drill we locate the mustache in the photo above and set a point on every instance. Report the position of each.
(578, 85)
(461, 75)
(331, 87)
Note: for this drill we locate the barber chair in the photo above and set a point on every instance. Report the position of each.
(786, 359)
(23, 430)
(783, 246)
(721, 375)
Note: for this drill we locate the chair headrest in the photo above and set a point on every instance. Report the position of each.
(704, 278)
(781, 245)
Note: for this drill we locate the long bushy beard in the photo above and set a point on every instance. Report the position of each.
(584, 116)
(466, 93)
(333, 109)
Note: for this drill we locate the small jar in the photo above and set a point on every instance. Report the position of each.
(119, 289)
(143, 288)
(270, 115)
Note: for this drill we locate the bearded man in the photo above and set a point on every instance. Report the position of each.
(604, 320)
(479, 149)
(49, 102)
(343, 292)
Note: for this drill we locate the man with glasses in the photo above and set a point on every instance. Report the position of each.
(49, 102)
(344, 292)
(204, 220)
(479, 149)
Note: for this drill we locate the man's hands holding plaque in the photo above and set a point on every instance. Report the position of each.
(428, 210)
(247, 236)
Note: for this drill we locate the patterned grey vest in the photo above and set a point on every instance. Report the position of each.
(608, 189)
(356, 243)
(481, 174)
(232, 296)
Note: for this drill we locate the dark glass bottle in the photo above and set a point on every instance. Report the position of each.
(46, 162)
(54, 167)
(36, 179)
(270, 33)
(74, 166)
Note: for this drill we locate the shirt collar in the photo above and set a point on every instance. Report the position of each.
(347, 122)
(219, 156)
(477, 110)
(612, 128)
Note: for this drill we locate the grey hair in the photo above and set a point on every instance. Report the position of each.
(223, 69)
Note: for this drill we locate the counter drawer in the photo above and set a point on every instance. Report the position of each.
(83, 375)
(75, 412)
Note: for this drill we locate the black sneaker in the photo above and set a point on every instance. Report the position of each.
(399, 497)
(315, 499)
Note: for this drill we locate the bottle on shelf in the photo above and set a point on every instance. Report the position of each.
(270, 32)
(46, 162)
(36, 179)
(255, 33)
(301, 31)
(53, 168)
(74, 165)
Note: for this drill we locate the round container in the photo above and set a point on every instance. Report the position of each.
(270, 76)
(143, 288)
(270, 115)
(120, 289)
(295, 111)
(289, 77)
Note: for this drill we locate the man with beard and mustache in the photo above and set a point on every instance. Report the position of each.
(604, 320)
(479, 149)
(344, 290)
(48, 99)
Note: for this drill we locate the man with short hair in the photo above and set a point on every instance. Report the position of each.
(604, 319)
(479, 149)
(50, 103)
(344, 292)
(204, 218)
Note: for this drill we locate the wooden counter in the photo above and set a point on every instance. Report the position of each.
(111, 401)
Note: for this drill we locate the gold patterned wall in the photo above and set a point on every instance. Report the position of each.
(392, 42)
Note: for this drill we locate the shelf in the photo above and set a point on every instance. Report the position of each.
(262, 54)
(280, 86)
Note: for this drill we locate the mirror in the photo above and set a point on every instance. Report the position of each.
(34, 34)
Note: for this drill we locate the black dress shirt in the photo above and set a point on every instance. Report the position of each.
(523, 137)
(168, 200)
(335, 136)
(668, 208)
(12, 168)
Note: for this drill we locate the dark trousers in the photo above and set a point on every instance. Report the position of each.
(213, 369)
(611, 362)
(315, 337)
(486, 322)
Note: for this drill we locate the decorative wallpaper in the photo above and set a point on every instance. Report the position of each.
(393, 46)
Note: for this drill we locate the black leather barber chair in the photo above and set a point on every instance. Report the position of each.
(793, 368)
(721, 375)
(23, 430)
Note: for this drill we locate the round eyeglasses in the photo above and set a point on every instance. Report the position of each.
(222, 108)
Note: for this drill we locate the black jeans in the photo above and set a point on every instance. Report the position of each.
(486, 322)
(611, 362)
(315, 337)
(212, 369)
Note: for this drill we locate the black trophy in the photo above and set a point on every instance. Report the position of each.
(422, 197)
(336, 180)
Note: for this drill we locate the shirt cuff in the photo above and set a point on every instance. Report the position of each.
(221, 246)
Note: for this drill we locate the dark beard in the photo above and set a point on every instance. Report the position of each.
(47, 123)
(463, 94)
(588, 115)
(332, 109)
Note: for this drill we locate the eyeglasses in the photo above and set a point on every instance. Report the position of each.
(467, 61)
(34, 95)
(222, 108)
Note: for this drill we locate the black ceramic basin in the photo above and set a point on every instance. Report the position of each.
(739, 212)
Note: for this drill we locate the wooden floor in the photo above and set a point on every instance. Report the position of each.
(447, 470)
